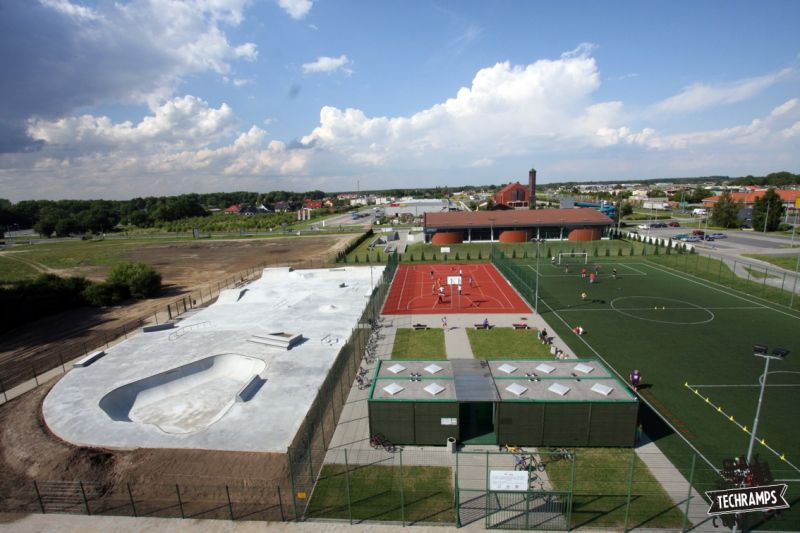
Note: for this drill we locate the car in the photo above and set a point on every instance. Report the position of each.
(698, 232)
(662, 225)
(709, 238)
(654, 225)
(643, 226)
(719, 235)
(674, 224)
(692, 238)
(680, 236)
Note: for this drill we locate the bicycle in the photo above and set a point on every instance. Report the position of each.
(527, 462)
(378, 441)
(363, 383)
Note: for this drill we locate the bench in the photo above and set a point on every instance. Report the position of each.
(521, 325)
(420, 326)
(483, 326)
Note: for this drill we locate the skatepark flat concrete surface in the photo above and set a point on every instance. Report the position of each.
(216, 380)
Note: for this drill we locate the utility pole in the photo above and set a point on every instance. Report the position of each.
(766, 218)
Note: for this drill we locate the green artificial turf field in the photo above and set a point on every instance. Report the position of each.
(678, 330)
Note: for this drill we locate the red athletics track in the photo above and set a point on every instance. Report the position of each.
(415, 291)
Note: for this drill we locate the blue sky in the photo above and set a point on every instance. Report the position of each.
(104, 99)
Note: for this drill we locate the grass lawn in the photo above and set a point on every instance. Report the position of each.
(507, 343)
(375, 493)
(758, 274)
(789, 262)
(12, 270)
(419, 344)
(601, 489)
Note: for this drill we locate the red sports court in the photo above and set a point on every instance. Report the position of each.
(416, 290)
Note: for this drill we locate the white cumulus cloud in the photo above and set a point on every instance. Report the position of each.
(328, 65)
(296, 9)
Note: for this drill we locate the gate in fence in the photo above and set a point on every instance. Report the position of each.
(545, 510)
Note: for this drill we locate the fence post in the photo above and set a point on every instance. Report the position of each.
(85, 501)
(3, 387)
(130, 496)
(35, 377)
(61, 360)
(291, 479)
(689, 494)
(347, 486)
(280, 504)
(230, 505)
(402, 493)
(180, 503)
(39, 496)
(571, 489)
(630, 489)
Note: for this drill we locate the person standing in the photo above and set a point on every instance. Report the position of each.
(636, 380)
(444, 322)
(583, 272)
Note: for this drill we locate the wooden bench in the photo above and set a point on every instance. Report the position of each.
(420, 326)
(483, 326)
(521, 325)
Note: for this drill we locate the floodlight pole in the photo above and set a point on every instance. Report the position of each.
(758, 408)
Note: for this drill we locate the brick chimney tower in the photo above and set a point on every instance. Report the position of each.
(532, 186)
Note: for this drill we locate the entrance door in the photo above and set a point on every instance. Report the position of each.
(476, 421)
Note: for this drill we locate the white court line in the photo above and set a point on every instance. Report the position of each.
(624, 380)
(634, 269)
(666, 270)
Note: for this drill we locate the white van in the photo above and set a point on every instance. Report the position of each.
(699, 212)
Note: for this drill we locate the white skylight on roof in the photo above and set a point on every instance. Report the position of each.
(393, 389)
(558, 388)
(516, 389)
(432, 369)
(544, 367)
(505, 367)
(396, 369)
(599, 388)
(584, 369)
(433, 389)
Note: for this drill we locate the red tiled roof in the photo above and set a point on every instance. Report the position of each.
(520, 218)
(750, 197)
(511, 186)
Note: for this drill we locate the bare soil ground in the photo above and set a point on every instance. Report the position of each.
(29, 451)
(186, 268)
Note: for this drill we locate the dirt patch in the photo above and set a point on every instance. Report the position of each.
(189, 270)
(28, 451)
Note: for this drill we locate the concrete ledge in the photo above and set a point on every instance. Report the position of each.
(278, 339)
(159, 327)
(89, 359)
(250, 389)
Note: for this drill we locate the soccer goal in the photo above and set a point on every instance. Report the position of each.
(572, 258)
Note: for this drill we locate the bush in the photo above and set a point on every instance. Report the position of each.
(513, 253)
(106, 293)
(608, 252)
(457, 259)
(619, 252)
(631, 254)
(140, 279)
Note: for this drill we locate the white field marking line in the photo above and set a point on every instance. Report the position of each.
(634, 269)
(575, 274)
(671, 309)
(664, 270)
(623, 380)
(494, 281)
(745, 385)
(762, 440)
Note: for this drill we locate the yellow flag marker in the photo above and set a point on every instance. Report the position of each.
(685, 383)
(731, 418)
(763, 442)
(719, 409)
(783, 457)
(745, 429)
(707, 400)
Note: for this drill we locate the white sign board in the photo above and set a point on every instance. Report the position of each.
(454, 280)
(516, 480)
(449, 421)
(445, 249)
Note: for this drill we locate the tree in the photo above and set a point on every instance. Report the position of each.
(142, 281)
(656, 193)
(726, 211)
(626, 209)
(768, 211)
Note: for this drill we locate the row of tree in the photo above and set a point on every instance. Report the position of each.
(768, 211)
(26, 301)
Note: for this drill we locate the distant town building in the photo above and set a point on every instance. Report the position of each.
(748, 199)
(513, 196)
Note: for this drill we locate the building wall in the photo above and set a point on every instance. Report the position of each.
(447, 237)
(413, 423)
(514, 236)
(585, 234)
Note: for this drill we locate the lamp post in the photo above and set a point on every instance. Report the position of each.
(491, 229)
(538, 242)
(761, 350)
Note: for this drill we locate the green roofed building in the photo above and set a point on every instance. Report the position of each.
(520, 402)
